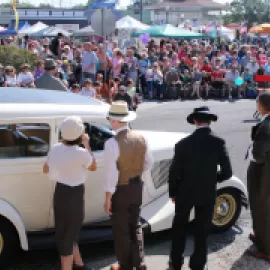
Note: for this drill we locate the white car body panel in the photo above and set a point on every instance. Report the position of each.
(26, 194)
(11, 214)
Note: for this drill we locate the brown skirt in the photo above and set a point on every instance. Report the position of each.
(68, 216)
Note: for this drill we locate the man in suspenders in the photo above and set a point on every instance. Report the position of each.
(126, 157)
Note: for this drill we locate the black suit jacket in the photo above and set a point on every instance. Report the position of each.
(194, 172)
(261, 141)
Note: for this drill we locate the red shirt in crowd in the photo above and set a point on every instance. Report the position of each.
(207, 68)
(217, 74)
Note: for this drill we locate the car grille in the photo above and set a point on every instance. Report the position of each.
(160, 172)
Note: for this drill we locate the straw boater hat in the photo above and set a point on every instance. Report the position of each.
(119, 111)
(72, 128)
(199, 112)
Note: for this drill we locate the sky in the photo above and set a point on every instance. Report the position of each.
(68, 3)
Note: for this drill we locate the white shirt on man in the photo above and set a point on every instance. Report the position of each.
(111, 155)
(69, 165)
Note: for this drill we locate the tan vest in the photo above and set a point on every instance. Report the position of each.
(132, 147)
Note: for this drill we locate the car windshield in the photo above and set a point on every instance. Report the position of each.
(24, 95)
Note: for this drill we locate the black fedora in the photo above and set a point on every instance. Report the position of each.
(204, 112)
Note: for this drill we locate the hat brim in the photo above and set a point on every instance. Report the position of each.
(212, 117)
(125, 119)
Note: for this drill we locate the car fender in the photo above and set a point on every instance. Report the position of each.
(159, 213)
(235, 182)
(11, 214)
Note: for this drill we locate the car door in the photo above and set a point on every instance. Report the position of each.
(24, 146)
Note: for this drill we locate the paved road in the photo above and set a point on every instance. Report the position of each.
(226, 250)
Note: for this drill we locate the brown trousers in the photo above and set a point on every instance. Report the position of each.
(127, 231)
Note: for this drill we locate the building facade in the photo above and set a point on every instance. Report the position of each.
(177, 11)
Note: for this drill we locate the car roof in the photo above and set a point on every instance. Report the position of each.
(32, 103)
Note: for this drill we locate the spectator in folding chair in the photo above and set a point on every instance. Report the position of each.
(248, 81)
(197, 80)
(217, 81)
(186, 80)
(171, 81)
(230, 78)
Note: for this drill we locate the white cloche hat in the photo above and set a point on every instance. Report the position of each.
(72, 128)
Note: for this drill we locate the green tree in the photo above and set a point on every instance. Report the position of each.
(250, 11)
(45, 6)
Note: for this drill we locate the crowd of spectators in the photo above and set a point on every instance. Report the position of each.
(168, 69)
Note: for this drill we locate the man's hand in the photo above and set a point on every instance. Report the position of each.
(108, 207)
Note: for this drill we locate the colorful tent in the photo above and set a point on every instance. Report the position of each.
(11, 30)
(169, 31)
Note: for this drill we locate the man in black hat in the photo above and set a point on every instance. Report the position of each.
(192, 183)
(48, 80)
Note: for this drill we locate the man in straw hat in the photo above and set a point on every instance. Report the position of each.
(193, 178)
(47, 80)
(127, 156)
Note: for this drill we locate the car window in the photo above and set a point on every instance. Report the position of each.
(24, 140)
(98, 134)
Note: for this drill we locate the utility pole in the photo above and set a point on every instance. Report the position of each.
(141, 10)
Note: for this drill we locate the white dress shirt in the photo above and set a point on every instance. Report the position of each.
(250, 148)
(111, 155)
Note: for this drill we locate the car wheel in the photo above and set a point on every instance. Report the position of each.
(227, 209)
(9, 242)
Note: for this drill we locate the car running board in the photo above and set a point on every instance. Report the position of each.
(88, 235)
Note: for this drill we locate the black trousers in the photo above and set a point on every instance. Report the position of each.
(202, 223)
(127, 231)
(68, 215)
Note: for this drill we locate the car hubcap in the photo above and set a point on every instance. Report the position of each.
(225, 209)
(1, 243)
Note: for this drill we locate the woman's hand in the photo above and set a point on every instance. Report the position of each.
(85, 140)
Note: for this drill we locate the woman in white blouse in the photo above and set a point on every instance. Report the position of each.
(67, 164)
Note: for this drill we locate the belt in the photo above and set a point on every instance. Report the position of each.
(133, 180)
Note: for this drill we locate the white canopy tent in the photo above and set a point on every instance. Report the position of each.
(129, 23)
(53, 32)
(226, 32)
(84, 32)
(33, 29)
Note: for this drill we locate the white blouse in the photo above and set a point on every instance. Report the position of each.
(69, 165)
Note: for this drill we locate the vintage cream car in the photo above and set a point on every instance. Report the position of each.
(29, 127)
